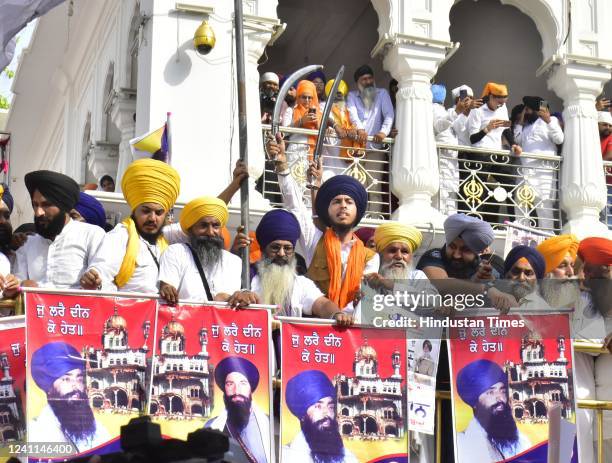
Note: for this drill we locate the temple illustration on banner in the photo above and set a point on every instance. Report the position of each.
(369, 406)
(182, 384)
(535, 384)
(12, 420)
(116, 373)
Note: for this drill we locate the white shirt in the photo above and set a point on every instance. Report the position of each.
(379, 118)
(443, 124)
(460, 129)
(303, 295)
(177, 268)
(479, 118)
(61, 262)
(539, 138)
(5, 265)
(473, 445)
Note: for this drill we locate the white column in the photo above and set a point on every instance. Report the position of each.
(414, 164)
(122, 114)
(582, 182)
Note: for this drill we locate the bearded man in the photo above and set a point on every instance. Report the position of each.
(59, 370)
(523, 267)
(311, 397)
(242, 420)
(492, 434)
(559, 287)
(202, 269)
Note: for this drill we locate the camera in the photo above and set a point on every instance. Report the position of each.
(204, 39)
(267, 100)
(463, 94)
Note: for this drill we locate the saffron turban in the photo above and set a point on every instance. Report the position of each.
(595, 250)
(7, 197)
(236, 365)
(342, 87)
(204, 206)
(365, 233)
(535, 259)
(555, 248)
(476, 377)
(59, 189)
(91, 209)
(340, 185)
(455, 91)
(477, 234)
(150, 181)
(395, 232)
(438, 93)
(277, 224)
(306, 389)
(364, 70)
(54, 360)
(313, 75)
(491, 88)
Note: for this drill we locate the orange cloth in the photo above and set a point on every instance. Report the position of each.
(254, 249)
(596, 251)
(343, 292)
(227, 239)
(342, 119)
(299, 111)
(495, 89)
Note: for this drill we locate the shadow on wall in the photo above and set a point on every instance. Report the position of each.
(498, 43)
(326, 32)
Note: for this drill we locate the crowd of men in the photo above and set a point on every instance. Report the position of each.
(483, 122)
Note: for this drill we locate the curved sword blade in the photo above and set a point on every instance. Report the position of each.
(328, 106)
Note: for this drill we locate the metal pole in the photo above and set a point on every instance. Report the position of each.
(242, 131)
(600, 453)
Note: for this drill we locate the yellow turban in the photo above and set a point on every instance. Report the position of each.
(204, 206)
(495, 89)
(342, 87)
(395, 232)
(555, 248)
(150, 181)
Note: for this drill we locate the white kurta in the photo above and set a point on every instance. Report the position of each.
(449, 165)
(298, 451)
(473, 445)
(479, 118)
(304, 293)
(61, 262)
(177, 268)
(5, 265)
(46, 428)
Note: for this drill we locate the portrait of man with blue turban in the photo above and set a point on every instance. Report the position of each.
(311, 397)
(58, 369)
(242, 420)
(492, 434)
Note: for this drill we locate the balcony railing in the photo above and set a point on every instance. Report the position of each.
(369, 165)
(497, 186)
(608, 210)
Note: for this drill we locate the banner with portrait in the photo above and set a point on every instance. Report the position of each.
(87, 362)
(12, 384)
(512, 387)
(343, 393)
(212, 369)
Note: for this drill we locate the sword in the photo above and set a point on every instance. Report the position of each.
(323, 127)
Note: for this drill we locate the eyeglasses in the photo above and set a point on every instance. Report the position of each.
(276, 248)
(306, 97)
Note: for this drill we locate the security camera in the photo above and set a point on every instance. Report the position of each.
(204, 39)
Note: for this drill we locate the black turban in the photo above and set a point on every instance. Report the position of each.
(239, 365)
(532, 102)
(536, 260)
(340, 185)
(59, 189)
(362, 71)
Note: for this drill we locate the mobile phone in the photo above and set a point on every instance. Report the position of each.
(312, 110)
(462, 94)
(543, 104)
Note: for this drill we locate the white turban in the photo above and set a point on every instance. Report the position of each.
(268, 77)
(455, 91)
(605, 117)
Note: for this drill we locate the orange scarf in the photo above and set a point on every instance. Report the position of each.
(299, 111)
(343, 292)
(342, 119)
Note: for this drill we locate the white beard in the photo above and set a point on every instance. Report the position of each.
(340, 105)
(560, 293)
(388, 271)
(276, 282)
(368, 95)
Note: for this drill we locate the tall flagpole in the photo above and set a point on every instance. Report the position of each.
(242, 132)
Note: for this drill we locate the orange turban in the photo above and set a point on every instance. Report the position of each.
(595, 250)
(555, 248)
(299, 110)
(491, 88)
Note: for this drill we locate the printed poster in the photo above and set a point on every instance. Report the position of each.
(211, 369)
(343, 394)
(505, 382)
(423, 356)
(87, 363)
(12, 385)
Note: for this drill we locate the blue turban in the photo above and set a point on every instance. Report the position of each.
(438, 93)
(476, 233)
(277, 224)
(476, 377)
(91, 209)
(236, 365)
(306, 389)
(7, 197)
(340, 185)
(531, 254)
(318, 73)
(54, 360)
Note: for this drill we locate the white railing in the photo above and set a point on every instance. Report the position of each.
(497, 186)
(369, 165)
(607, 165)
